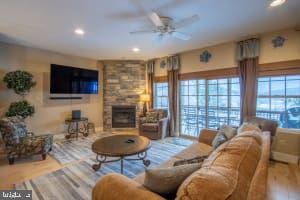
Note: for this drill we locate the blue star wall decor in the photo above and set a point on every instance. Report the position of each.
(205, 56)
(278, 41)
(163, 64)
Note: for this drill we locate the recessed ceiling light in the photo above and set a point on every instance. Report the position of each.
(275, 3)
(79, 31)
(135, 49)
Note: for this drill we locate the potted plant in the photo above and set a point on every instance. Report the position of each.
(21, 82)
(20, 108)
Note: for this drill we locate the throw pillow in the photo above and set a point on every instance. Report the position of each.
(224, 134)
(228, 131)
(197, 159)
(248, 127)
(165, 181)
(218, 140)
(151, 117)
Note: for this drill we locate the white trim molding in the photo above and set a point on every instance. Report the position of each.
(284, 157)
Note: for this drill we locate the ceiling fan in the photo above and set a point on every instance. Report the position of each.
(166, 26)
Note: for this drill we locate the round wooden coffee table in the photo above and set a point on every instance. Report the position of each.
(121, 146)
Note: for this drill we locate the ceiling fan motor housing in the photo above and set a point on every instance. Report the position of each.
(167, 28)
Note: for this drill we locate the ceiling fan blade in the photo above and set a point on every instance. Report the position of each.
(186, 21)
(181, 36)
(143, 32)
(156, 19)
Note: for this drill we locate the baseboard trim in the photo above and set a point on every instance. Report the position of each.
(284, 157)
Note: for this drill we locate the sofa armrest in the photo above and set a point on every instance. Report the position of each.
(142, 119)
(116, 186)
(207, 136)
(258, 188)
(140, 123)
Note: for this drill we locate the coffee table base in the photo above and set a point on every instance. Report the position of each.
(102, 159)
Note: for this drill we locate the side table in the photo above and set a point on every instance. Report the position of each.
(78, 129)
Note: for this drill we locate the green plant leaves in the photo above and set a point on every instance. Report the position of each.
(20, 108)
(20, 81)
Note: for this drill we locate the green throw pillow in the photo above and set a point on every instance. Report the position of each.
(165, 181)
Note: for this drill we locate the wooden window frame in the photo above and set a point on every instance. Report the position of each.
(155, 94)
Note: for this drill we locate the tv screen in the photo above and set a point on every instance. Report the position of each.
(71, 80)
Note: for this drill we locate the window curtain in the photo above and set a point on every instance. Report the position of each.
(150, 78)
(173, 65)
(247, 57)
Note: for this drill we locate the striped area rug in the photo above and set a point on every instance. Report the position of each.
(75, 180)
(67, 151)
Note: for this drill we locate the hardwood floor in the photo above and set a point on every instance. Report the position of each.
(24, 169)
(283, 180)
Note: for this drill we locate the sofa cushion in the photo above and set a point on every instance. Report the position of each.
(162, 113)
(194, 150)
(228, 170)
(165, 181)
(248, 127)
(254, 134)
(150, 126)
(151, 117)
(169, 163)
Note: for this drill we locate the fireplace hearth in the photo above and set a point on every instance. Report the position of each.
(123, 116)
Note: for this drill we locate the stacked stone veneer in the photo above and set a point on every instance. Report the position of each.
(123, 82)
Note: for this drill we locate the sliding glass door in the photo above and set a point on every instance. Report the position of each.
(278, 98)
(208, 104)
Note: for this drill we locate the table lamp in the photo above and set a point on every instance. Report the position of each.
(145, 98)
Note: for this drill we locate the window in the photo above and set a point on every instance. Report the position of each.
(160, 95)
(208, 104)
(223, 102)
(278, 98)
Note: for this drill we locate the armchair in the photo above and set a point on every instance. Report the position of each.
(19, 142)
(154, 130)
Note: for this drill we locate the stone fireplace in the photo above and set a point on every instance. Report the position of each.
(123, 83)
(123, 116)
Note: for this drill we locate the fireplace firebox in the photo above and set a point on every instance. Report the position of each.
(123, 116)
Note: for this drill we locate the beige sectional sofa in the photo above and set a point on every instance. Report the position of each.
(236, 170)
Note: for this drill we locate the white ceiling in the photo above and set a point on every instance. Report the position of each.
(50, 24)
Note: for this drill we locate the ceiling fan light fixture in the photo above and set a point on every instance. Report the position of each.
(275, 3)
(136, 49)
(79, 31)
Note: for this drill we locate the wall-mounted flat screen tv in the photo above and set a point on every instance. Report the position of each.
(72, 80)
